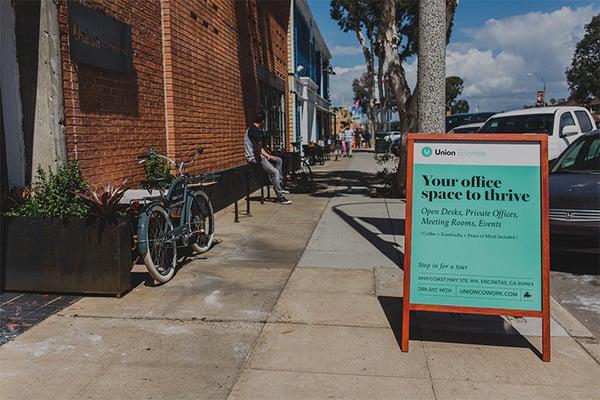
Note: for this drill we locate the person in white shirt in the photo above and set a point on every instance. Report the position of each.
(349, 138)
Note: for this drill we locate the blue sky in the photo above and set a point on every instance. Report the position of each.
(493, 45)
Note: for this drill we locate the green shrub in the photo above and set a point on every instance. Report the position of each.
(156, 167)
(55, 194)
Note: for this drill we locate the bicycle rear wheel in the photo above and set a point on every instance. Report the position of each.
(201, 220)
(304, 176)
(160, 255)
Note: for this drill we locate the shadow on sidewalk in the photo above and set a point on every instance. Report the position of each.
(355, 183)
(386, 226)
(486, 330)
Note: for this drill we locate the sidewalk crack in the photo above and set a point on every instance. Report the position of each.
(435, 396)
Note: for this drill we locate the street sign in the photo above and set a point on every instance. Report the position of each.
(477, 227)
(98, 39)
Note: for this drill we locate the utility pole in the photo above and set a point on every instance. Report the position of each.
(432, 66)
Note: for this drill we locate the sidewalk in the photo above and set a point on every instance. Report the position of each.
(187, 339)
(335, 330)
(297, 302)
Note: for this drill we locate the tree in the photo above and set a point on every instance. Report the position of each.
(398, 34)
(460, 106)
(343, 115)
(360, 87)
(584, 74)
(387, 30)
(454, 88)
(361, 17)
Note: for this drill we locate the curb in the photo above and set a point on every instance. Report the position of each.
(574, 328)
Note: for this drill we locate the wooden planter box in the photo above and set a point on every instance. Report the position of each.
(72, 256)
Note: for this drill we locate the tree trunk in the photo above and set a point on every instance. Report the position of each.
(369, 62)
(383, 103)
(396, 81)
(396, 77)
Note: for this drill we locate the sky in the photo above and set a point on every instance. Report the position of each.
(494, 45)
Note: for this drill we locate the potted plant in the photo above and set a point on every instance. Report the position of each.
(63, 236)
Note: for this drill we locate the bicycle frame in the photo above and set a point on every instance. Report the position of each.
(170, 200)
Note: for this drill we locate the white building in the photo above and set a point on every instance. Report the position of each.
(309, 69)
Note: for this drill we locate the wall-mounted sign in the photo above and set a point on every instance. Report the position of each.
(477, 233)
(98, 39)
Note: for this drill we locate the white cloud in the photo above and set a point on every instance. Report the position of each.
(495, 61)
(341, 83)
(346, 50)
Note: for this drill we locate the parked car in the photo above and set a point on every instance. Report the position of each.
(575, 196)
(392, 139)
(452, 121)
(468, 128)
(562, 125)
(392, 136)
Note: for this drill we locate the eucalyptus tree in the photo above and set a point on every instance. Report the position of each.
(399, 39)
(362, 17)
(387, 31)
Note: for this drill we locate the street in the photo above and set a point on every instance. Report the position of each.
(575, 283)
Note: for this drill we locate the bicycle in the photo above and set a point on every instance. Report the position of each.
(296, 169)
(180, 217)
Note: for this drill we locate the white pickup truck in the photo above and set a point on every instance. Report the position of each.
(562, 124)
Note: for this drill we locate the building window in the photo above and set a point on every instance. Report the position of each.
(272, 102)
(302, 44)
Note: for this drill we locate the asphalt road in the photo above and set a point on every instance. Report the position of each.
(575, 283)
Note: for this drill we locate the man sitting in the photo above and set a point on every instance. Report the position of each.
(254, 151)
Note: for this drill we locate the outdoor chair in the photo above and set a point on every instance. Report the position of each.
(319, 154)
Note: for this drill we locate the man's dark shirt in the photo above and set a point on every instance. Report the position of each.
(253, 144)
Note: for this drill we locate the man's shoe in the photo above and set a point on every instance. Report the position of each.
(282, 200)
(284, 191)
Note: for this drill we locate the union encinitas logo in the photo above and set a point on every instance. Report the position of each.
(426, 152)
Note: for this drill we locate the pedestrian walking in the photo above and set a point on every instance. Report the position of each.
(348, 139)
(256, 154)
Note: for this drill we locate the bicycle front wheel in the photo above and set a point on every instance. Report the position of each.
(201, 221)
(159, 250)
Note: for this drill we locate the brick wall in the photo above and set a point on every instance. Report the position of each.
(212, 51)
(111, 117)
(204, 80)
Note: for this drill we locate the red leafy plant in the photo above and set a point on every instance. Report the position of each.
(104, 202)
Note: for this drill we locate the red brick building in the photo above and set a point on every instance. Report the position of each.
(198, 70)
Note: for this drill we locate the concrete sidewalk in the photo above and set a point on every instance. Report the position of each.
(187, 339)
(297, 302)
(335, 330)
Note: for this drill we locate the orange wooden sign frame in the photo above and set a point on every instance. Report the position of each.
(545, 241)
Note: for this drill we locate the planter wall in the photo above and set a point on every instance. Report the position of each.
(73, 256)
